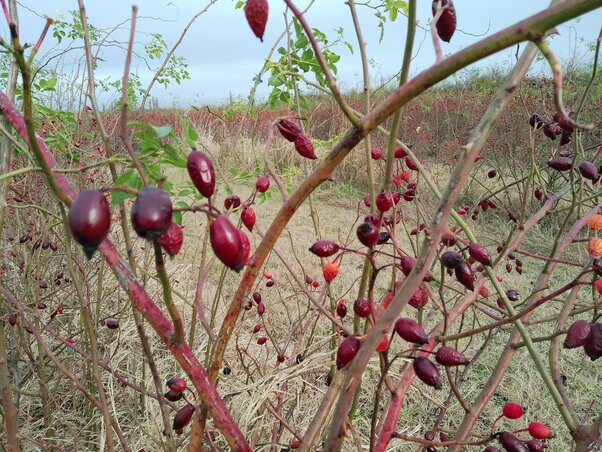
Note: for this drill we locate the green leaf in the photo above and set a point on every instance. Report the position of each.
(177, 218)
(162, 131)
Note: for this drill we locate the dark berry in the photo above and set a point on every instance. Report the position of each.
(411, 331)
(448, 356)
(324, 248)
(183, 417)
(201, 173)
(347, 351)
(151, 213)
(89, 220)
(226, 243)
(427, 372)
(576, 334)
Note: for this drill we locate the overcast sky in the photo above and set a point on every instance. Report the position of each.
(224, 55)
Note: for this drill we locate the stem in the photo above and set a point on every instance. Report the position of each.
(174, 313)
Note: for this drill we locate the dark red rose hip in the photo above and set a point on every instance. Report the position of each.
(262, 184)
(256, 12)
(183, 417)
(465, 276)
(367, 234)
(411, 331)
(593, 342)
(427, 372)
(361, 307)
(288, 129)
(89, 220)
(446, 25)
(589, 171)
(324, 248)
(201, 173)
(511, 443)
(347, 351)
(248, 217)
(479, 253)
(226, 243)
(448, 357)
(560, 163)
(576, 334)
(304, 147)
(151, 213)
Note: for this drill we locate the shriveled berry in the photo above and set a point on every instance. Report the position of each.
(589, 171)
(451, 259)
(226, 370)
(231, 202)
(347, 351)
(465, 276)
(89, 220)
(151, 213)
(538, 193)
(399, 153)
(448, 357)
(427, 372)
(256, 329)
(411, 331)
(177, 384)
(513, 410)
(288, 129)
(256, 297)
(304, 147)
(511, 443)
(341, 309)
(295, 444)
(171, 241)
(361, 307)
(576, 334)
(565, 138)
(262, 340)
(263, 184)
(409, 194)
(512, 295)
(226, 243)
(324, 248)
(376, 154)
(368, 235)
(479, 253)
(560, 163)
(446, 25)
(173, 396)
(410, 164)
(280, 358)
(593, 342)
(200, 170)
(491, 174)
(183, 417)
(330, 270)
(539, 431)
(419, 298)
(536, 445)
(256, 12)
(383, 237)
(248, 217)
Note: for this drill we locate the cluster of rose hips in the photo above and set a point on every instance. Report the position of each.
(563, 162)
(538, 431)
(177, 386)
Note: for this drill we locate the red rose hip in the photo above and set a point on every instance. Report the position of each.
(200, 170)
(89, 220)
(151, 213)
(226, 243)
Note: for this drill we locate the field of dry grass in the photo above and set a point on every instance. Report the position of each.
(257, 384)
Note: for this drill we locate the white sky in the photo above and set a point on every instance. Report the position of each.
(224, 55)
